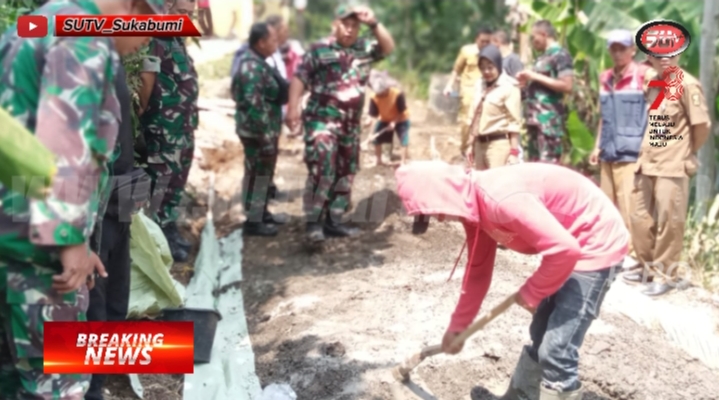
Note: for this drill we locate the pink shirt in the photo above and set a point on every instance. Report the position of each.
(531, 208)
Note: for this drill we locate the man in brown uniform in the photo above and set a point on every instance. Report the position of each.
(667, 160)
(467, 71)
(497, 114)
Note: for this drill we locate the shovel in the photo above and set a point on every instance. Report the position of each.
(374, 136)
(402, 371)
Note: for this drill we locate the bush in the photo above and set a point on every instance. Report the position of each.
(414, 83)
(11, 9)
(701, 244)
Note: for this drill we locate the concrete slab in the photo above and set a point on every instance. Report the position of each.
(691, 329)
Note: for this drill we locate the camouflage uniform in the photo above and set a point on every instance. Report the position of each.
(168, 124)
(545, 111)
(70, 104)
(336, 78)
(258, 119)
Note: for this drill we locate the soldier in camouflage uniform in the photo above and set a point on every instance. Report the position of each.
(170, 91)
(45, 263)
(259, 92)
(545, 86)
(335, 72)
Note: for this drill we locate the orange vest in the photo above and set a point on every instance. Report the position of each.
(387, 106)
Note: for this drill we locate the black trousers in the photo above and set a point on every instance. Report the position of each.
(110, 302)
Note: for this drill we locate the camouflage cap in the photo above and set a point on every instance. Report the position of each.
(158, 6)
(343, 11)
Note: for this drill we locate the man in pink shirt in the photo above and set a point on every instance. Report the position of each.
(544, 209)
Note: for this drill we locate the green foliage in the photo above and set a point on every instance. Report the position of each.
(216, 69)
(133, 67)
(583, 26)
(11, 9)
(318, 18)
(428, 33)
(701, 240)
(581, 138)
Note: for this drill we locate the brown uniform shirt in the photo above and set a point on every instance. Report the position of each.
(467, 68)
(498, 109)
(668, 141)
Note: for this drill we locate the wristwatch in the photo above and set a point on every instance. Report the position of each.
(373, 25)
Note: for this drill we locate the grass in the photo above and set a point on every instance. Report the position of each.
(415, 84)
(701, 244)
(216, 69)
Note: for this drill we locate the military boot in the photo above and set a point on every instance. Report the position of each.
(549, 394)
(314, 232)
(178, 253)
(333, 227)
(259, 229)
(173, 235)
(275, 219)
(273, 193)
(525, 380)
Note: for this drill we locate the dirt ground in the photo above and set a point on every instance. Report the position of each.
(333, 322)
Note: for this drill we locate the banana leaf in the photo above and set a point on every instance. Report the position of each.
(26, 165)
(152, 288)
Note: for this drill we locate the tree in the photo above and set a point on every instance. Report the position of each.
(706, 176)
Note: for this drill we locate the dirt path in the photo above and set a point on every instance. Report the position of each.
(332, 323)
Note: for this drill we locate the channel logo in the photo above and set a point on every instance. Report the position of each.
(32, 26)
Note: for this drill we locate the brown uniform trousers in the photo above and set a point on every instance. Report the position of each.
(667, 160)
(467, 70)
(497, 113)
(617, 181)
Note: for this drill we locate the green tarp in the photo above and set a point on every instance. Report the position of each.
(230, 375)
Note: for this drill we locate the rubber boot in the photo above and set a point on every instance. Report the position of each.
(549, 394)
(525, 380)
(333, 227)
(173, 235)
(315, 233)
(179, 254)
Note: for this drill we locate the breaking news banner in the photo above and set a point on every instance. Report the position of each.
(131, 347)
(125, 25)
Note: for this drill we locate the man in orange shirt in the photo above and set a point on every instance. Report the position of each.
(389, 105)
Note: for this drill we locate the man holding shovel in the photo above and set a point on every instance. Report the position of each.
(548, 210)
(389, 106)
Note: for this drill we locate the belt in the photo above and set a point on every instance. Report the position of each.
(492, 137)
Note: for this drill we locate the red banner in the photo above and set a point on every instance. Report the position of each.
(125, 25)
(132, 347)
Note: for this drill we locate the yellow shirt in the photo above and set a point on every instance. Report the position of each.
(467, 68)
(668, 143)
